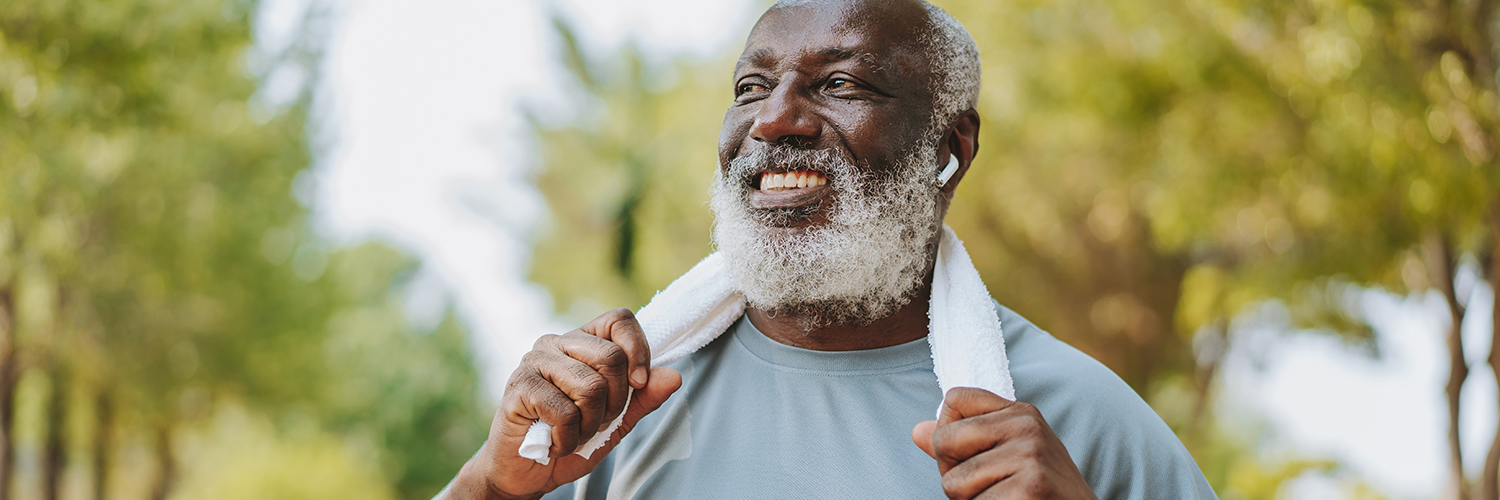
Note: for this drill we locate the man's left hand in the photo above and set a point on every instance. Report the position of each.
(987, 446)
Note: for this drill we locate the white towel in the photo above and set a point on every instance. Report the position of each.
(963, 330)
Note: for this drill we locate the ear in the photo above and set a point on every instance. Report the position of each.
(961, 141)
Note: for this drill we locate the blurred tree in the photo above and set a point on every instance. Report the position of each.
(152, 252)
(627, 177)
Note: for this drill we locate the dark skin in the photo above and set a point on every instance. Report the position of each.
(846, 76)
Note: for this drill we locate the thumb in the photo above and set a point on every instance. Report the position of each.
(661, 385)
(922, 436)
(964, 402)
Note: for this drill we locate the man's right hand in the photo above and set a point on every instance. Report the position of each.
(577, 383)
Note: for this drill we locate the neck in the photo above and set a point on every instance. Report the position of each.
(905, 325)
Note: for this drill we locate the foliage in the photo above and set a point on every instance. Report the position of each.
(152, 251)
(628, 213)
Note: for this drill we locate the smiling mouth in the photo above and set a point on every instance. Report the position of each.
(800, 190)
(796, 179)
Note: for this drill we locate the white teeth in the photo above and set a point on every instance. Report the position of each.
(792, 180)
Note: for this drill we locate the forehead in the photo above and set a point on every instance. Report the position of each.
(882, 34)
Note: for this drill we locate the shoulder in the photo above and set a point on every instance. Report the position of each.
(1120, 444)
(1054, 376)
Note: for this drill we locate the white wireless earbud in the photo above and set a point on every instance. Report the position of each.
(948, 171)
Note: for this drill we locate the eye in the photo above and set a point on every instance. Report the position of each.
(746, 88)
(842, 83)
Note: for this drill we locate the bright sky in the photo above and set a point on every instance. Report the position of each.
(1386, 418)
(427, 151)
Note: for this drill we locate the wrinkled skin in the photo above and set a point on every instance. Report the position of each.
(848, 77)
(989, 447)
(576, 382)
(843, 75)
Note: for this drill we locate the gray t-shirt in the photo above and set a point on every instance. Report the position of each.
(759, 419)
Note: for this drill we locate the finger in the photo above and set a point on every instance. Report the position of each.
(605, 357)
(982, 472)
(664, 382)
(957, 441)
(921, 434)
(965, 402)
(620, 326)
(587, 389)
(530, 397)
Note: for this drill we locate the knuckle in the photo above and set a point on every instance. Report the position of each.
(544, 341)
(1033, 428)
(533, 357)
(517, 378)
(620, 313)
(522, 381)
(1028, 449)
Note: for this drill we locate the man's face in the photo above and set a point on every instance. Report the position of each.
(825, 199)
(841, 76)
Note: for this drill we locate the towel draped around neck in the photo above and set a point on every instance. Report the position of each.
(963, 330)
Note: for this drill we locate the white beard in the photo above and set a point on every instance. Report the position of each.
(862, 265)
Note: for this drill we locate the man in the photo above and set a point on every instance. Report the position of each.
(828, 222)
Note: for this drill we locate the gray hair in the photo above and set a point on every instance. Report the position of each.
(955, 66)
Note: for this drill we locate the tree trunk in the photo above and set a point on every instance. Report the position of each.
(8, 377)
(167, 470)
(1489, 478)
(103, 432)
(1441, 254)
(54, 457)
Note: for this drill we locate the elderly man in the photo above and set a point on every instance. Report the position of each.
(852, 125)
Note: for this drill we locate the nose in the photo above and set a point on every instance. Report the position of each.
(784, 118)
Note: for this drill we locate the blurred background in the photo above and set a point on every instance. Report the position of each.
(293, 248)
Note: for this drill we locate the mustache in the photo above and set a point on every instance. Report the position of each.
(743, 171)
(781, 158)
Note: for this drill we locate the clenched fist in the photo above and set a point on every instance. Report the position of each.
(989, 447)
(578, 383)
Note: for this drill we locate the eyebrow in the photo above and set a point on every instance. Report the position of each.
(764, 57)
(760, 57)
(844, 54)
